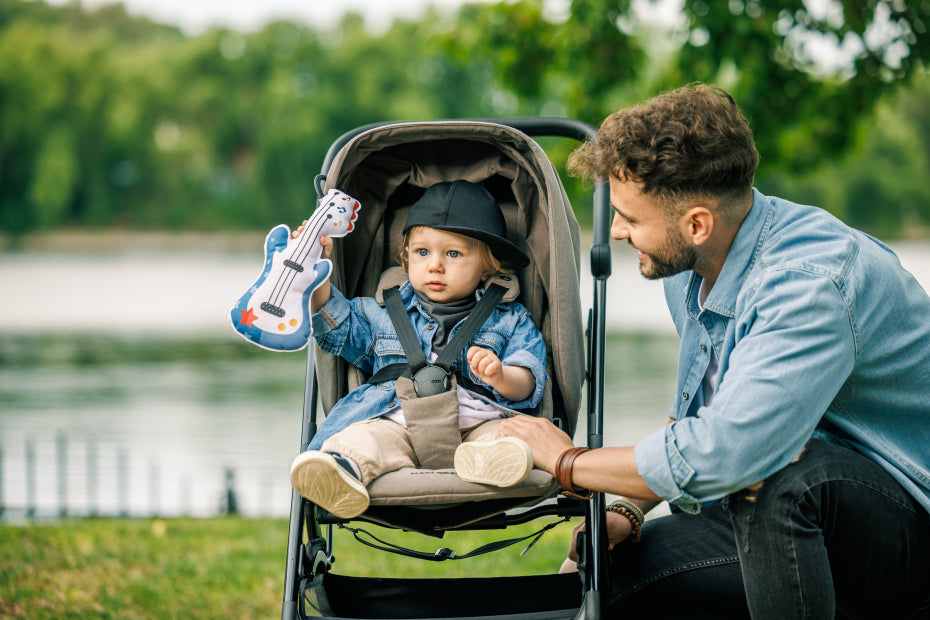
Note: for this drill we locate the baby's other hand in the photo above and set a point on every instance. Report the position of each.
(296, 232)
(325, 242)
(485, 364)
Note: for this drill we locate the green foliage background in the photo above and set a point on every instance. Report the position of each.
(108, 120)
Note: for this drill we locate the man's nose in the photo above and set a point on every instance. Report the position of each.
(618, 229)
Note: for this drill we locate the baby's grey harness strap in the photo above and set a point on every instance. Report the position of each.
(471, 325)
(403, 327)
(433, 378)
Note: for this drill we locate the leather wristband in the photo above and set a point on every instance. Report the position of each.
(563, 474)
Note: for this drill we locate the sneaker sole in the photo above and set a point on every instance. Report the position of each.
(319, 478)
(499, 462)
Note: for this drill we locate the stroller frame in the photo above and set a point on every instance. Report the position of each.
(306, 559)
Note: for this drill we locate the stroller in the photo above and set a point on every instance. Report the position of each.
(387, 167)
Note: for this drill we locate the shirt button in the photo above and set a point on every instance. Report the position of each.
(684, 395)
(392, 404)
(703, 348)
(430, 326)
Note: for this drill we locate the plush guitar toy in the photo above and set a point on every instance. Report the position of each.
(275, 312)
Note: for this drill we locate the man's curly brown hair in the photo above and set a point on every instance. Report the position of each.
(692, 142)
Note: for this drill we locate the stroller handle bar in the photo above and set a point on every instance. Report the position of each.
(530, 125)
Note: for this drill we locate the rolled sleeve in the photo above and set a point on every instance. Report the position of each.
(665, 470)
(329, 323)
(530, 361)
(526, 348)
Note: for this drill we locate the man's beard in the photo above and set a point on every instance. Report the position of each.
(673, 257)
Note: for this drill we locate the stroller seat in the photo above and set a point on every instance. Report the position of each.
(428, 487)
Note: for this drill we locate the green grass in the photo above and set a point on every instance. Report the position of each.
(229, 567)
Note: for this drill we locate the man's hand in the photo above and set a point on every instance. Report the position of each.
(618, 530)
(546, 440)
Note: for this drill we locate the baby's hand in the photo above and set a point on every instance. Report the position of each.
(513, 382)
(325, 242)
(485, 364)
(296, 232)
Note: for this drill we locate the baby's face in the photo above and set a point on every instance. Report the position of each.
(444, 266)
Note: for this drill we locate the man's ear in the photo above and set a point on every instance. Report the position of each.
(698, 224)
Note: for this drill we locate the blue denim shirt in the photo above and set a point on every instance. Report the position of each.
(361, 331)
(818, 330)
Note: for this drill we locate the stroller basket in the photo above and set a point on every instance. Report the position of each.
(536, 597)
(384, 166)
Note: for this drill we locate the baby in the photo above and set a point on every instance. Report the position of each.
(454, 244)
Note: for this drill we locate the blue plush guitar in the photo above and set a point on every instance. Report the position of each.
(275, 312)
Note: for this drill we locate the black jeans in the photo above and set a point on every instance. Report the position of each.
(832, 535)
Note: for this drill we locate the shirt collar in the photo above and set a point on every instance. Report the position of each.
(741, 257)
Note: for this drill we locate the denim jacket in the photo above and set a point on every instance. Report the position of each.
(818, 330)
(361, 331)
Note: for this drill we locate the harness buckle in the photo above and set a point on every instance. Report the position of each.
(431, 380)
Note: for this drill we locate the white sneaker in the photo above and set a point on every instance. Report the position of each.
(500, 462)
(319, 477)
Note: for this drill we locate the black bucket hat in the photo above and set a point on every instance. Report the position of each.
(468, 209)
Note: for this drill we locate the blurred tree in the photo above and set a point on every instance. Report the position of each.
(880, 187)
(69, 123)
(539, 63)
(805, 73)
(107, 119)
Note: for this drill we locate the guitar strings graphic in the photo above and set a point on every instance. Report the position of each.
(301, 251)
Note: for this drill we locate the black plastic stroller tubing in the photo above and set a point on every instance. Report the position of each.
(595, 548)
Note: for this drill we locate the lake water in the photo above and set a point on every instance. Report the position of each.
(123, 390)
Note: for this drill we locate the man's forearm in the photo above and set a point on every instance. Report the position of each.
(612, 470)
(609, 470)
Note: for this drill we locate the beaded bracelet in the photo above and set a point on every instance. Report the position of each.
(633, 513)
(636, 510)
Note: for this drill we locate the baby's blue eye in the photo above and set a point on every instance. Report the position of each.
(423, 252)
(454, 253)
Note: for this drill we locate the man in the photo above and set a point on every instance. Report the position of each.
(797, 455)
